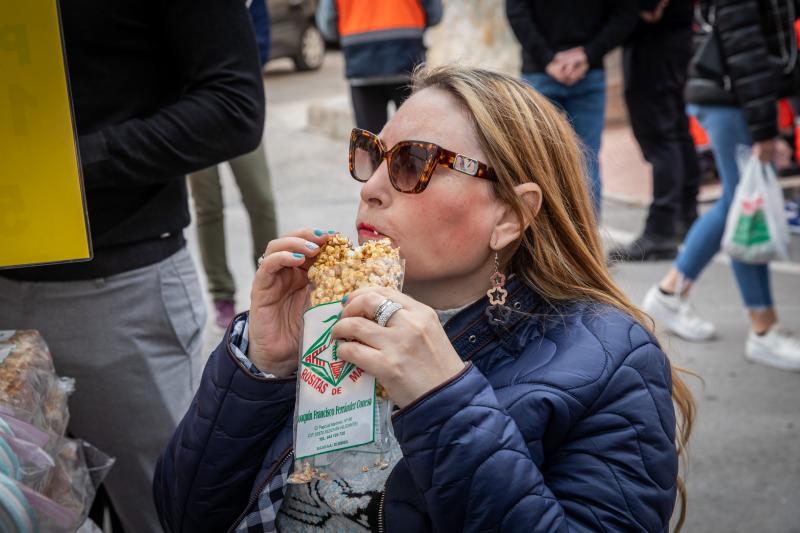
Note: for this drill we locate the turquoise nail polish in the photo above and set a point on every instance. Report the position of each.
(332, 231)
(299, 256)
(344, 299)
(318, 232)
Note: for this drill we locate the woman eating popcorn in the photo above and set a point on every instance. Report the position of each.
(544, 405)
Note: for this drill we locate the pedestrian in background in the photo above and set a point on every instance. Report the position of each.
(656, 60)
(157, 91)
(746, 59)
(563, 45)
(252, 176)
(382, 45)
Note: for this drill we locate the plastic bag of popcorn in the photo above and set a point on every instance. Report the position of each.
(342, 424)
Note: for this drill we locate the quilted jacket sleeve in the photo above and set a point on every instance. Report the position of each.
(204, 477)
(754, 77)
(615, 471)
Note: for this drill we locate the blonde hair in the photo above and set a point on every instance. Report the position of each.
(559, 255)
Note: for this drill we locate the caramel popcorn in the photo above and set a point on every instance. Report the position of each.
(340, 269)
(303, 476)
(28, 380)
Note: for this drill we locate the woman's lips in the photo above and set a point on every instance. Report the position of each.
(367, 232)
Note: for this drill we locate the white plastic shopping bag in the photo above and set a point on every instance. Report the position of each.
(756, 230)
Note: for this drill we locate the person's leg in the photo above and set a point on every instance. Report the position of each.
(649, 111)
(586, 107)
(727, 129)
(253, 178)
(370, 106)
(208, 206)
(132, 342)
(654, 79)
(665, 302)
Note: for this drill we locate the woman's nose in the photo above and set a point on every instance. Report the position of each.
(378, 189)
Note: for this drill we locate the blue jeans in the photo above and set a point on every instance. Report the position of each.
(726, 128)
(585, 105)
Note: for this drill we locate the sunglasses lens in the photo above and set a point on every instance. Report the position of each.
(366, 158)
(407, 165)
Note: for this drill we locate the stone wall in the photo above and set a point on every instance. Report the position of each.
(477, 33)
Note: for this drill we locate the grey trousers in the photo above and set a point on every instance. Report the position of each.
(133, 343)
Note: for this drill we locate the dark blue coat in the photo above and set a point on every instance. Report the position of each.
(558, 422)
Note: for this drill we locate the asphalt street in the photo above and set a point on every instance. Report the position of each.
(743, 469)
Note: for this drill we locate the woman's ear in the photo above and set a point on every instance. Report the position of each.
(509, 227)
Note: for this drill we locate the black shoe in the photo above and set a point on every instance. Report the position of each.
(645, 248)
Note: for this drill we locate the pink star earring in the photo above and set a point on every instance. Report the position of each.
(497, 294)
(497, 312)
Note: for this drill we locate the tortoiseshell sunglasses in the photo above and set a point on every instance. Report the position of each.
(410, 163)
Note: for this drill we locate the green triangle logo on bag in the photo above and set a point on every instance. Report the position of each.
(320, 358)
(751, 228)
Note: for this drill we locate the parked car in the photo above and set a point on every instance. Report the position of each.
(295, 34)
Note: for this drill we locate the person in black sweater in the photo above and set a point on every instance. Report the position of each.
(158, 90)
(563, 45)
(655, 64)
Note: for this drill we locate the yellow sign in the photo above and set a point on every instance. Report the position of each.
(42, 211)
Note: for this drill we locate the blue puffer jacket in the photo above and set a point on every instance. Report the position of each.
(557, 423)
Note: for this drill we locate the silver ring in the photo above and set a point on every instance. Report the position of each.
(385, 310)
(380, 309)
(261, 260)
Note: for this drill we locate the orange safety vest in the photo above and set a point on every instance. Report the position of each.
(373, 20)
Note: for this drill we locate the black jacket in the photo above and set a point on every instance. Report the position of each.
(676, 19)
(545, 27)
(759, 60)
(159, 89)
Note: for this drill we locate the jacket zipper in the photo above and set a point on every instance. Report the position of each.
(381, 510)
(288, 453)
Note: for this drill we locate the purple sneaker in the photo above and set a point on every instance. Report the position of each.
(226, 310)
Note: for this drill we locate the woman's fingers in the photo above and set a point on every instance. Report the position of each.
(364, 302)
(361, 330)
(365, 357)
(294, 250)
(301, 244)
(279, 260)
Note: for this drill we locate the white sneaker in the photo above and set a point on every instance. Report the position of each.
(774, 348)
(677, 315)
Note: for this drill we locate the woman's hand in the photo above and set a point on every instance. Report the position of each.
(278, 299)
(765, 150)
(410, 356)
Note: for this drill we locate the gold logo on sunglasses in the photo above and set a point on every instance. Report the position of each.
(466, 165)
